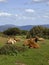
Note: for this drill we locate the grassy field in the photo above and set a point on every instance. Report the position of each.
(29, 57)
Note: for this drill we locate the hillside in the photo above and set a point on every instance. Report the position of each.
(27, 27)
(5, 27)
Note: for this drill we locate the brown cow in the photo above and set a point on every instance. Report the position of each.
(31, 43)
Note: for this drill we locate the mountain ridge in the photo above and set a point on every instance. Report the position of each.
(26, 27)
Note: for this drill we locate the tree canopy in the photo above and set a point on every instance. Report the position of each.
(39, 31)
(12, 31)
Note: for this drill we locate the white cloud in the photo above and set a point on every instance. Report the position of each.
(48, 3)
(5, 14)
(46, 16)
(30, 10)
(39, 1)
(26, 17)
(16, 15)
(36, 0)
(2, 0)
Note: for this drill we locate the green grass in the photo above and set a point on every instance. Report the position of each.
(29, 57)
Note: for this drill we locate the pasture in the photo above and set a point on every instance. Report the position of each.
(31, 56)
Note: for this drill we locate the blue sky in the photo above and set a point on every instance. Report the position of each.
(24, 12)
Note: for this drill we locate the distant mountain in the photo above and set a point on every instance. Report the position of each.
(5, 27)
(47, 26)
(27, 27)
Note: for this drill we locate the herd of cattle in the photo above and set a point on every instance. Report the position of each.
(31, 42)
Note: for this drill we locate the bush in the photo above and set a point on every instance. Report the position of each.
(10, 49)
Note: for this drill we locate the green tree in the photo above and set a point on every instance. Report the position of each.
(12, 31)
(24, 32)
(39, 31)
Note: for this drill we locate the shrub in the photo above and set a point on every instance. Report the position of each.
(10, 49)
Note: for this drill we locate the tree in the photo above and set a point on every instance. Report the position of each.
(24, 32)
(12, 31)
(39, 31)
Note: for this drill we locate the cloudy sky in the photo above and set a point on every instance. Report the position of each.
(24, 12)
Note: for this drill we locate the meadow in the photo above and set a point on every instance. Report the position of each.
(31, 56)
